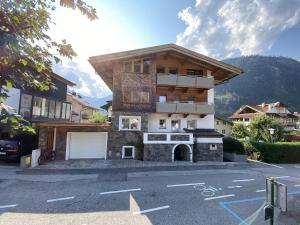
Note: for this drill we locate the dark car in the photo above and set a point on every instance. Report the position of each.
(10, 149)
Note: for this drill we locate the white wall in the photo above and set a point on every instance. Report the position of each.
(14, 99)
(153, 121)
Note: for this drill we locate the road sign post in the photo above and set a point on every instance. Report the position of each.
(276, 196)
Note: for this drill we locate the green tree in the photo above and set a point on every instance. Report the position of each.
(259, 129)
(239, 131)
(97, 118)
(27, 52)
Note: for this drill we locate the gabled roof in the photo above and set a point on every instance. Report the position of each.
(60, 78)
(103, 63)
(222, 119)
(81, 101)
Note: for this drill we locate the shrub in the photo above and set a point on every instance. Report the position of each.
(97, 118)
(280, 152)
(238, 130)
(232, 145)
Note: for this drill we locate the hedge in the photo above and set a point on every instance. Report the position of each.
(280, 152)
(232, 145)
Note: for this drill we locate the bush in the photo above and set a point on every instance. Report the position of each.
(232, 145)
(280, 152)
(97, 118)
(238, 130)
(249, 149)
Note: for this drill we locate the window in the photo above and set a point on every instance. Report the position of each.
(37, 106)
(128, 152)
(191, 99)
(223, 131)
(25, 108)
(136, 97)
(68, 111)
(160, 69)
(129, 123)
(246, 119)
(173, 70)
(162, 124)
(51, 109)
(194, 72)
(176, 99)
(137, 66)
(191, 124)
(45, 107)
(146, 65)
(162, 98)
(128, 66)
(217, 122)
(224, 123)
(175, 125)
(58, 110)
(63, 110)
(213, 147)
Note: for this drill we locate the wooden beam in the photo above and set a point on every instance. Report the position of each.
(185, 115)
(202, 116)
(170, 114)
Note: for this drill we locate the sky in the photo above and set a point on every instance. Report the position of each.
(219, 29)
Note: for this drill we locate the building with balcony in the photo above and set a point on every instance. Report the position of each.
(163, 103)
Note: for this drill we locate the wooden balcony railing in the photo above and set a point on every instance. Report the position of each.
(168, 138)
(185, 107)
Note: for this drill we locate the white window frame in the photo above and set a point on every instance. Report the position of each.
(123, 152)
(130, 117)
(187, 122)
(213, 147)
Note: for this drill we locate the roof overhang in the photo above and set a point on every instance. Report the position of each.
(103, 64)
(60, 78)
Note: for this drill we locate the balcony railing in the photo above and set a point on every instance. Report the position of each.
(185, 107)
(168, 138)
(185, 80)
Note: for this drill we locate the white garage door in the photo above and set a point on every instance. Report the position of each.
(86, 145)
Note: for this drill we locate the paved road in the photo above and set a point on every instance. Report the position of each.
(169, 198)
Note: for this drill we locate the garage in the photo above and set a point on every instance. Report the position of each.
(86, 145)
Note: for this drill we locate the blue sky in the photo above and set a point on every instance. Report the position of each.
(219, 29)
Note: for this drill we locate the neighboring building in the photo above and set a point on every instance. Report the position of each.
(81, 110)
(108, 108)
(223, 126)
(163, 96)
(278, 110)
(41, 106)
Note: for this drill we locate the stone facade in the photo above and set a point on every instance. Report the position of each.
(203, 153)
(158, 152)
(117, 139)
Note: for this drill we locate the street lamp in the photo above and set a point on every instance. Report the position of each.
(271, 130)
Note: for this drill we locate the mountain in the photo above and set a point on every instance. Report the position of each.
(265, 79)
(97, 102)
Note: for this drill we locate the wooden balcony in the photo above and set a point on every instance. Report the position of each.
(185, 108)
(168, 138)
(177, 80)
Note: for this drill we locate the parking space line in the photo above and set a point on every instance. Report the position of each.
(297, 167)
(297, 185)
(60, 199)
(251, 160)
(182, 185)
(7, 206)
(246, 180)
(119, 191)
(151, 210)
(230, 187)
(280, 177)
(262, 190)
(221, 196)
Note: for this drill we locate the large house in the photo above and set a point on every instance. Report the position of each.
(278, 110)
(163, 103)
(223, 126)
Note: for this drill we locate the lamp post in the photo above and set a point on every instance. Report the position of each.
(271, 130)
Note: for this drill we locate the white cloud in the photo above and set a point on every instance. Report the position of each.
(227, 28)
(88, 38)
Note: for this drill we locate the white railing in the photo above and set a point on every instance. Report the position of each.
(168, 138)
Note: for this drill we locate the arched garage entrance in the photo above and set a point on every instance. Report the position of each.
(182, 152)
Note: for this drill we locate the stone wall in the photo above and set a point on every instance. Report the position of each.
(158, 152)
(117, 139)
(203, 153)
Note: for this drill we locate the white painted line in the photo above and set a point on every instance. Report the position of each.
(120, 191)
(282, 177)
(151, 210)
(258, 191)
(297, 185)
(243, 180)
(60, 199)
(230, 187)
(251, 160)
(221, 196)
(7, 206)
(181, 185)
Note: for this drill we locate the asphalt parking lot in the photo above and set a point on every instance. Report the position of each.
(221, 196)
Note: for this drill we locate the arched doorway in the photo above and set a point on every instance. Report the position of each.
(182, 152)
